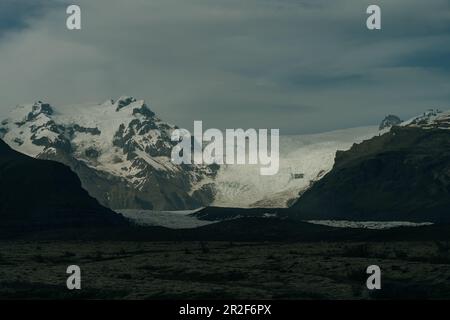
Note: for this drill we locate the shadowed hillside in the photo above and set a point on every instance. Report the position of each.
(40, 194)
(401, 175)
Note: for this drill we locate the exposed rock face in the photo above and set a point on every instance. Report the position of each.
(119, 149)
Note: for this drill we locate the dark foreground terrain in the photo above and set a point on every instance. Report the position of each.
(214, 270)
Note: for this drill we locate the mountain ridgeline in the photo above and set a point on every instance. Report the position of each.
(40, 194)
(121, 151)
(402, 175)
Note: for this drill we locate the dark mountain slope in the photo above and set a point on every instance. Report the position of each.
(401, 175)
(40, 194)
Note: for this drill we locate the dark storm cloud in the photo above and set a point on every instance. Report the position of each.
(16, 14)
(297, 65)
(437, 58)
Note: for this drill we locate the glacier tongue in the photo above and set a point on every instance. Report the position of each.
(303, 160)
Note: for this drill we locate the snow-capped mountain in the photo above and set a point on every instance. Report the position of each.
(120, 150)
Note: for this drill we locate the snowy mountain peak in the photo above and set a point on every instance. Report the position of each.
(30, 112)
(128, 102)
(125, 101)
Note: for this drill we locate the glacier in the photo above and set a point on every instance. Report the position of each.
(303, 160)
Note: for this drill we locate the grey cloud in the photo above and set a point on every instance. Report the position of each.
(17, 14)
(302, 66)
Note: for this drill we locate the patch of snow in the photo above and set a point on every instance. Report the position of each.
(375, 225)
(430, 119)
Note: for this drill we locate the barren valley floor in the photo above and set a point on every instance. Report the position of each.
(214, 270)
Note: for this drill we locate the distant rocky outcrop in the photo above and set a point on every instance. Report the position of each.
(390, 121)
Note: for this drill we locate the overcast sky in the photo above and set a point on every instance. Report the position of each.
(298, 65)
